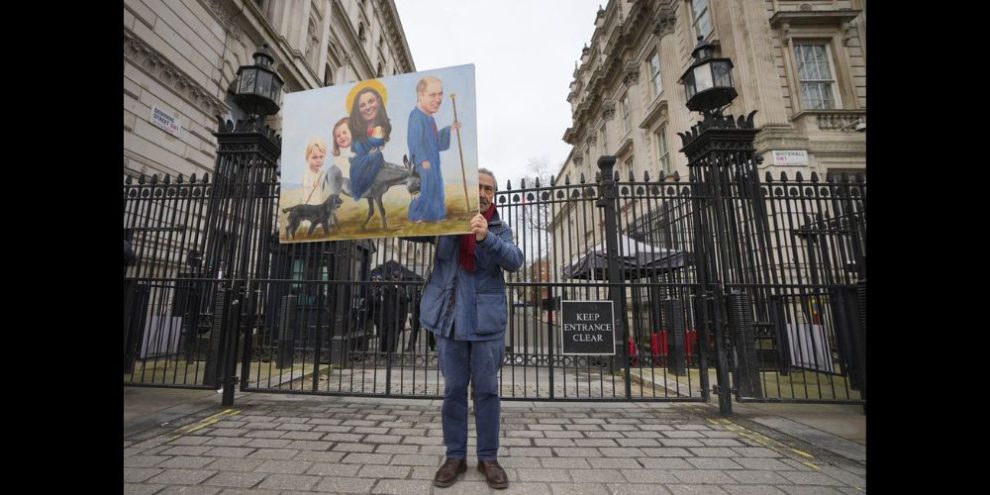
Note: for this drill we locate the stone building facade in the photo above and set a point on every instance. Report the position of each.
(800, 64)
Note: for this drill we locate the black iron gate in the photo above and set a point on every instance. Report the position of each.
(721, 282)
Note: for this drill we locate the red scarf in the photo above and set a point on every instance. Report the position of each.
(468, 242)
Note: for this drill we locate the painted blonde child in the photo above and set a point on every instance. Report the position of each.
(315, 183)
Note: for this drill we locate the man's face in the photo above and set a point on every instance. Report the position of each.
(486, 191)
(368, 106)
(431, 97)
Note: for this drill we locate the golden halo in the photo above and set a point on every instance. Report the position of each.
(370, 83)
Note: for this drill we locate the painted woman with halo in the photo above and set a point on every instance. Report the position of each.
(370, 129)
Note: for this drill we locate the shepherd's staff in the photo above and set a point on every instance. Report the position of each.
(453, 101)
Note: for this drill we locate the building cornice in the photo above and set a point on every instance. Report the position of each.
(398, 35)
(665, 19)
(626, 147)
(630, 74)
(655, 112)
(612, 65)
(608, 109)
(161, 69)
(353, 41)
(840, 18)
(221, 11)
(569, 137)
(812, 18)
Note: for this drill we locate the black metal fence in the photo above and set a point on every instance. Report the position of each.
(766, 284)
(317, 322)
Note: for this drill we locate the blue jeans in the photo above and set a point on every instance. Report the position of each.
(460, 362)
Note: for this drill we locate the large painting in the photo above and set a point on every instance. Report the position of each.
(386, 157)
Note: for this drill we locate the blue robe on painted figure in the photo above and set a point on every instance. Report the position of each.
(365, 164)
(425, 144)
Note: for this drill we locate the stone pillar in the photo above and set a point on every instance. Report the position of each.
(671, 67)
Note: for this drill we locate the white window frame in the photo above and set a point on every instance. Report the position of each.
(624, 109)
(832, 82)
(663, 151)
(695, 16)
(656, 84)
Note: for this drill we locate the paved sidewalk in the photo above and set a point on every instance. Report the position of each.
(180, 441)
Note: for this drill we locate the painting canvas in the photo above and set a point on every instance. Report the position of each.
(388, 157)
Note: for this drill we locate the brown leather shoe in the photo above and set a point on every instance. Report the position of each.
(447, 474)
(494, 474)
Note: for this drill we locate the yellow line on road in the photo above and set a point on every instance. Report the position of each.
(763, 440)
(203, 423)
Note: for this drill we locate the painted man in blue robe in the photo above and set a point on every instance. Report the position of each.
(425, 144)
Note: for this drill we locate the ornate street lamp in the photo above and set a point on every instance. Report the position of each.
(239, 225)
(708, 81)
(259, 86)
(724, 175)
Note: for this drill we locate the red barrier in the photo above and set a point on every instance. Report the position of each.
(631, 351)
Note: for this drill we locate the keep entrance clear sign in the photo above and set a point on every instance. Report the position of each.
(588, 327)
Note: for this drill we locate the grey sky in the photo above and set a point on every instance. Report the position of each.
(524, 53)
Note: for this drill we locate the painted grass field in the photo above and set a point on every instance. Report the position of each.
(352, 213)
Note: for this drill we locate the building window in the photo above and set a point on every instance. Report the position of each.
(815, 76)
(328, 77)
(298, 267)
(624, 108)
(312, 53)
(628, 169)
(604, 139)
(380, 69)
(361, 35)
(701, 18)
(655, 81)
(662, 152)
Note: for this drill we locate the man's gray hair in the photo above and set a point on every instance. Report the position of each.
(490, 174)
(421, 85)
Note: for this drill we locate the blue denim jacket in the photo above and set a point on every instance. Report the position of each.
(475, 302)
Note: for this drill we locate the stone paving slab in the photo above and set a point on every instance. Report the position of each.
(278, 444)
